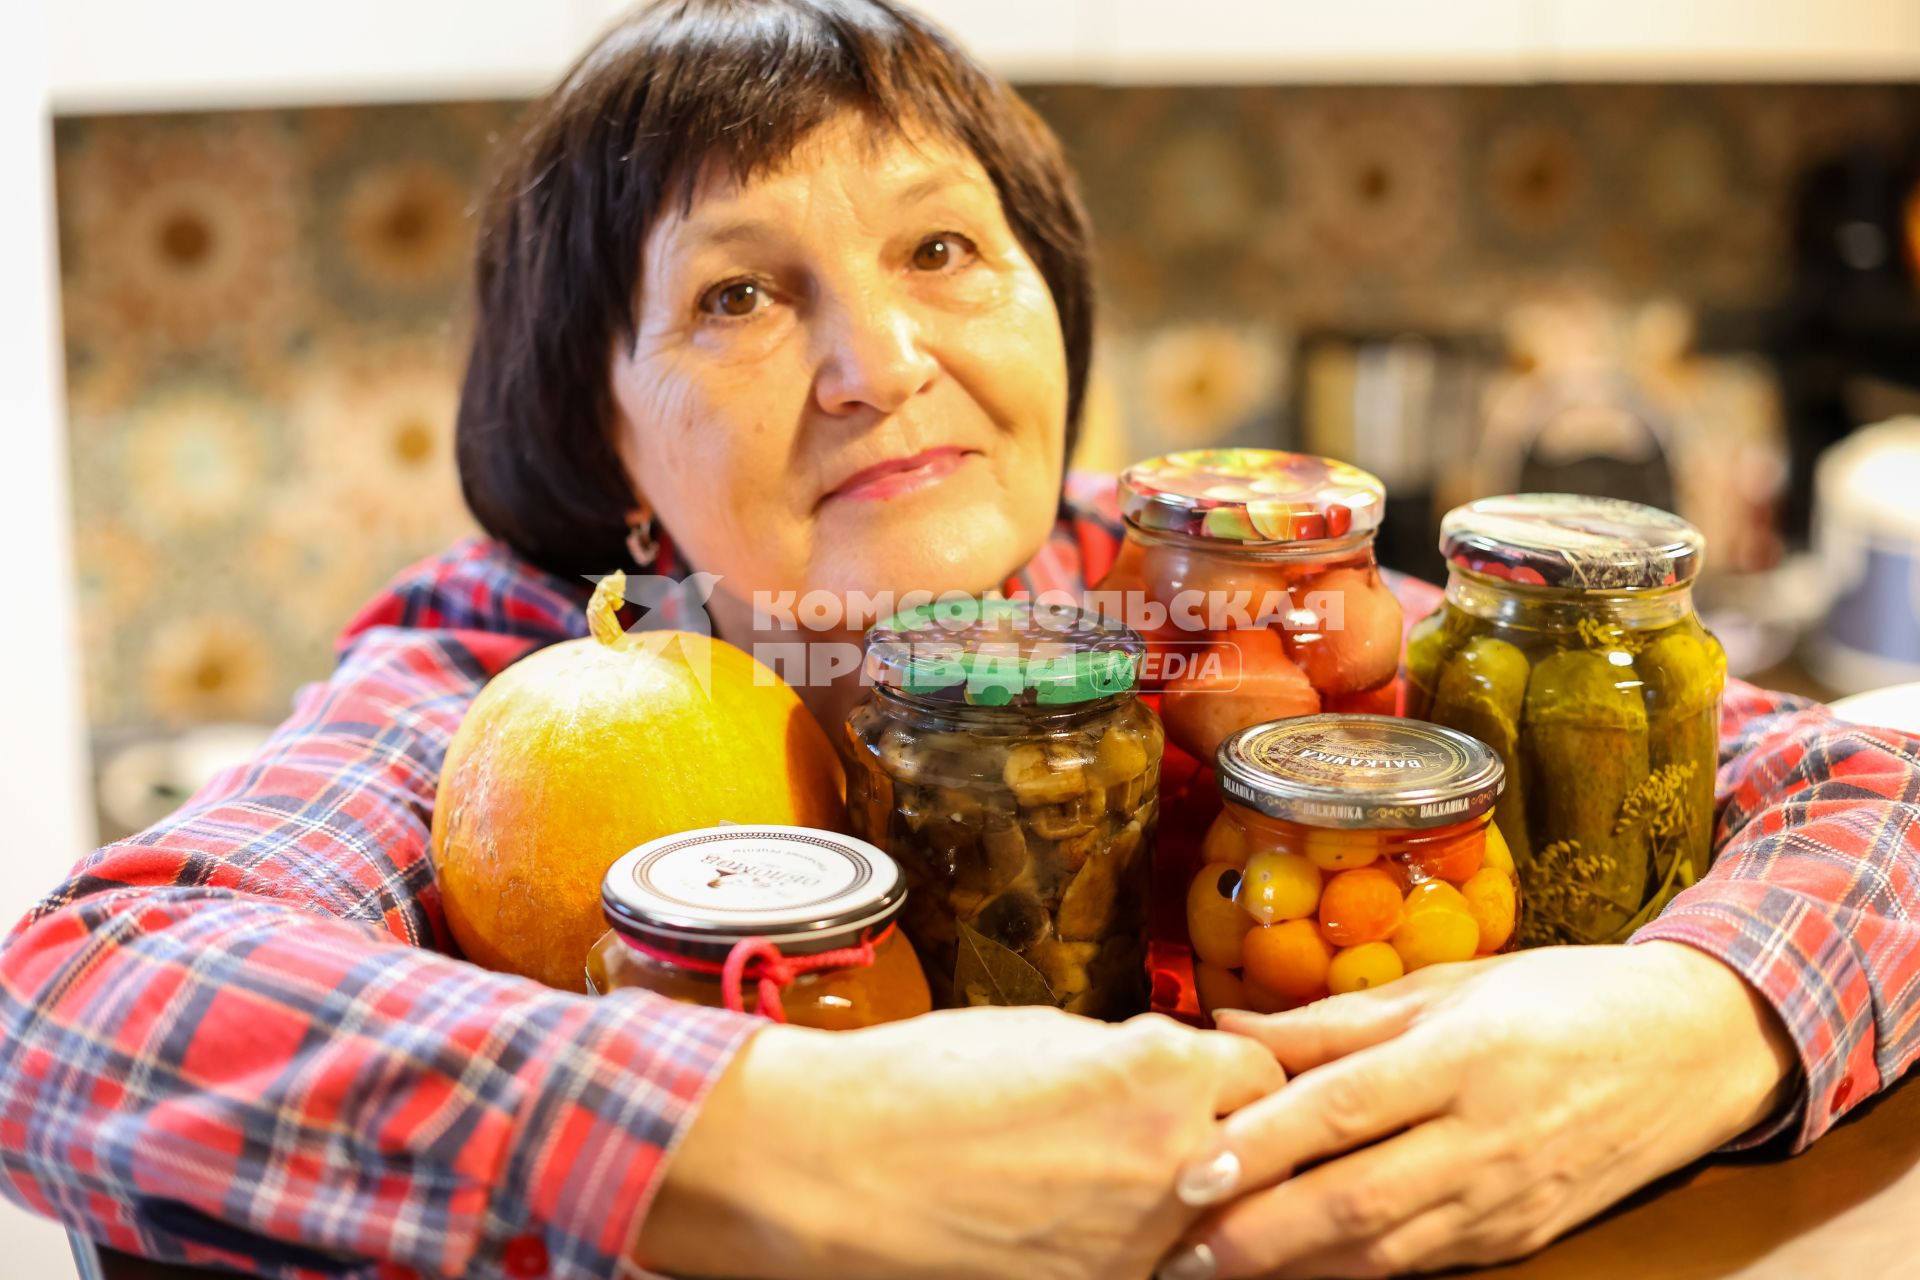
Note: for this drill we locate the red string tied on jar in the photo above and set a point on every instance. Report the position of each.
(760, 960)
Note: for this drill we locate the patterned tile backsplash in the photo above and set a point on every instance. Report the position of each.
(264, 309)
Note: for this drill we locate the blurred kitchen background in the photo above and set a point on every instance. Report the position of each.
(1666, 252)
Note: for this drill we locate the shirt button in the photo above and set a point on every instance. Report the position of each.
(1841, 1092)
(525, 1257)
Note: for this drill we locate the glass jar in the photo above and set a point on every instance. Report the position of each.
(1351, 849)
(1263, 560)
(1568, 642)
(1251, 575)
(791, 923)
(1003, 759)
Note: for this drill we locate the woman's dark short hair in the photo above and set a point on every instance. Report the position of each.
(676, 90)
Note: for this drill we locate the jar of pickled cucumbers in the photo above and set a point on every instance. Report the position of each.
(1004, 760)
(790, 923)
(1351, 849)
(1568, 642)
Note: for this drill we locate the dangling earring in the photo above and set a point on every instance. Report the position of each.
(641, 544)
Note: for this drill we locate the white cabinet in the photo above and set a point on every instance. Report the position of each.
(1200, 41)
(1733, 39)
(137, 55)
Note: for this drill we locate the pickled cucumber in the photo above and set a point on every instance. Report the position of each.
(1684, 673)
(1431, 641)
(1585, 730)
(1481, 690)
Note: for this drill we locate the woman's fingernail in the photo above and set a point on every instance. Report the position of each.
(1209, 1183)
(1192, 1263)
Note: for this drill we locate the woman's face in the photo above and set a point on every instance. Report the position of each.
(848, 375)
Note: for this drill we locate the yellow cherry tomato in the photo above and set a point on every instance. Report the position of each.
(1341, 850)
(1226, 841)
(1431, 895)
(1492, 901)
(1289, 959)
(1278, 886)
(1498, 854)
(1360, 906)
(1219, 989)
(1215, 925)
(1370, 964)
(1436, 936)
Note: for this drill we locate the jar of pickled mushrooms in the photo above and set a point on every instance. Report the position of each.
(1004, 761)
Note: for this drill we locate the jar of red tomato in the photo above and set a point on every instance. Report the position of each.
(1352, 849)
(1251, 574)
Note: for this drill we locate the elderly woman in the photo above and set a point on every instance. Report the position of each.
(792, 291)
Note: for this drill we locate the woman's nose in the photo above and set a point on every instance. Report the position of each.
(873, 357)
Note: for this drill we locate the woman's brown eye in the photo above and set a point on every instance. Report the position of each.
(735, 299)
(933, 255)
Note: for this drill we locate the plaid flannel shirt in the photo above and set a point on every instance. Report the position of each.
(241, 1038)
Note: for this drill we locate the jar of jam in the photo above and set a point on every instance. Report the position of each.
(1568, 642)
(1351, 849)
(791, 923)
(1003, 759)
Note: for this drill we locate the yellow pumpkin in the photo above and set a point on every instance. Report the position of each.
(582, 750)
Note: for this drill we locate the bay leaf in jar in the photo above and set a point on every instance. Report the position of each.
(986, 973)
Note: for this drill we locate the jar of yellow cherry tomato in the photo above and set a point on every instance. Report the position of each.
(1351, 849)
(790, 923)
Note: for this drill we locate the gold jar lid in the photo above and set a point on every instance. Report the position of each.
(1359, 772)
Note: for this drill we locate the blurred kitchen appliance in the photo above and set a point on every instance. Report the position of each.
(1405, 406)
(1866, 530)
(1847, 337)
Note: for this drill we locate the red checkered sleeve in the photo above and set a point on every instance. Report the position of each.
(237, 1039)
(1814, 893)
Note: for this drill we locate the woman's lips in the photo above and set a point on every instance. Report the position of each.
(901, 475)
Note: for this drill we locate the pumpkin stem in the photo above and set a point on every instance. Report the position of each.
(603, 610)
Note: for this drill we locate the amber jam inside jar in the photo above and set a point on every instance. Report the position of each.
(792, 923)
(1351, 850)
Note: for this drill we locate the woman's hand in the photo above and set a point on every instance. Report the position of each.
(1508, 1100)
(973, 1143)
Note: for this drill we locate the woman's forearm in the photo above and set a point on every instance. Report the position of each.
(198, 1066)
(1814, 897)
(1757, 1059)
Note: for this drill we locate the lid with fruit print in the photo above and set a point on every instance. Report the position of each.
(1255, 497)
(1571, 540)
(1359, 772)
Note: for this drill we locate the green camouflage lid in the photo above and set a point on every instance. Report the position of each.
(995, 652)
